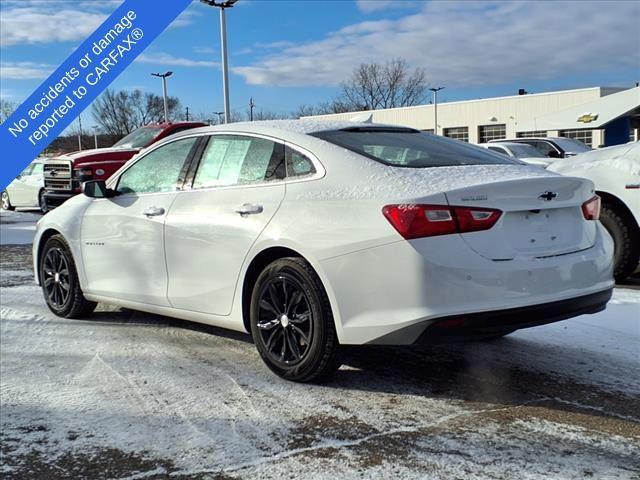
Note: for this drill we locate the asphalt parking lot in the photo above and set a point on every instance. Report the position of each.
(130, 395)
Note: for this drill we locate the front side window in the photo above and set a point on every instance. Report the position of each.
(403, 147)
(27, 171)
(159, 170)
(545, 148)
(239, 160)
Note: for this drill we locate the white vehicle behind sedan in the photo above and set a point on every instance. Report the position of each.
(312, 235)
(27, 190)
(519, 151)
(615, 171)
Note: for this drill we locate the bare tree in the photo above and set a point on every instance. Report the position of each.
(6, 109)
(119, 113)
(375, 85)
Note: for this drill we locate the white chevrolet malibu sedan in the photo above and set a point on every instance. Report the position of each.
(311, 235)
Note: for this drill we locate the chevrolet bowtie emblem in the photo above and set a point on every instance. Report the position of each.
(547, 196)
(587, 118)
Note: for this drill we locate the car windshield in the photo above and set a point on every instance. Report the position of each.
(405, 147)
(525, 151)
(139, 138)
(572, 145)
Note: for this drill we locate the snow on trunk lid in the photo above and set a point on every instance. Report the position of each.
(541, 217)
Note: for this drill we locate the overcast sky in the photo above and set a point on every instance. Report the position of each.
(286, 53)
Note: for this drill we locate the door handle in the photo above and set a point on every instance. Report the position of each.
(153, 211)
(249, 209)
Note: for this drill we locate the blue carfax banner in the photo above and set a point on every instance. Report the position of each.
(80, 79)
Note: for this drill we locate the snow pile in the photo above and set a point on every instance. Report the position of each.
(625, 158)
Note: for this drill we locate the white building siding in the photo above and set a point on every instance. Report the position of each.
(476, 113)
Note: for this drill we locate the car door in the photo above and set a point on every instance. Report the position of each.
(34, 182)
(210, 228)
(19, 189)
(123, 236)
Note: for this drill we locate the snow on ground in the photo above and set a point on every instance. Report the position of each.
(130, 395)
(194, 400)
(17, 228)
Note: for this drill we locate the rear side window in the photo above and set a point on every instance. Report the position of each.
(238, 160)
(402, 147)
(298, 165)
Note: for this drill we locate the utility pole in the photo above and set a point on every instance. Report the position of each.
(187, 114)
(95, 135)
(251, 107)
(80, 133)
(222, 5)
(164, 92)
(435, 108)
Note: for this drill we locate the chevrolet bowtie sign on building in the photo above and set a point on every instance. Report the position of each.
(587, 118)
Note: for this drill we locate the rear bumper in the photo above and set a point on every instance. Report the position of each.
(55, 199)
(478, 325)
(391, 294)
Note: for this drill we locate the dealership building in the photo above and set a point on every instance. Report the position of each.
(599, 116)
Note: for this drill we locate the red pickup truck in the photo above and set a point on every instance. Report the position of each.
(63, 175)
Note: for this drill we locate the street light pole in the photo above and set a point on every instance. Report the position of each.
(95, 136)
(222, 5)
(435, 108)
(164, 92)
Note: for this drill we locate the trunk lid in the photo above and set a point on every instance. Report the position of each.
(541, 217)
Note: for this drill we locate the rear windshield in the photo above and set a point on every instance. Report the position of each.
(139, 138)
(411, 148)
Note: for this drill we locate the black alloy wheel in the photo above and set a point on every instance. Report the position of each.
(56, 277)
(291, 322)
(59, 280)
(285, 319)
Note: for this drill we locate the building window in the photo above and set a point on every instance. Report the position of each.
(532, 134)
(585, 136)
(491, 132)
(428, 130)
(633, 134)
(457, 133)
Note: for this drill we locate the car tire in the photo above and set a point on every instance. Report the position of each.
(291, 322)
(59, 280)
(42, 202)
(6, 202)
(626, 239)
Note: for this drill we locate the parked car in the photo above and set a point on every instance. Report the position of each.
(63, 175)
(27, 190)
(311, 235)
(615, 171)
(552, 147)
(520, 151)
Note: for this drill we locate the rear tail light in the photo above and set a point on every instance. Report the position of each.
(591, 208)
(417, 221)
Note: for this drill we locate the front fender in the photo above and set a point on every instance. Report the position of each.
(65, 220)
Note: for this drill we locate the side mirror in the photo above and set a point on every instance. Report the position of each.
(97, 189)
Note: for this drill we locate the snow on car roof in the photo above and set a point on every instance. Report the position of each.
(303, 126)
